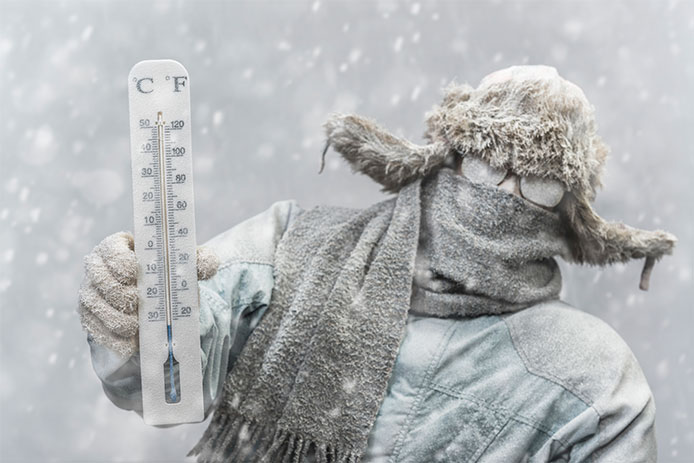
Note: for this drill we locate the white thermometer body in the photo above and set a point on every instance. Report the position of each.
(165, 245)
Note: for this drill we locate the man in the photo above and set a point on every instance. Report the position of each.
(426, 327)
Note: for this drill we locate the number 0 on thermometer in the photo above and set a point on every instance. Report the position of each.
(162, 169)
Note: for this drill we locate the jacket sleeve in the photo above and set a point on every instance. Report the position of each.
(618, 427)
(613, 412)
(232, 303)
(625, 433)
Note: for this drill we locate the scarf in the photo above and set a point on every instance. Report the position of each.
(312, 376)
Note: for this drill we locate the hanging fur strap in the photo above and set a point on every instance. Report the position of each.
(391, 161)
(599, 242)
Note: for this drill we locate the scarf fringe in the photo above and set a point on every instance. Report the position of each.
(232, 438)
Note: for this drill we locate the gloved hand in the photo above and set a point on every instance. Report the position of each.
(108, 296)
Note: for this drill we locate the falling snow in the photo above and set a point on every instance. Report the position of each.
(99, 186)
(217, 118)
(8, 256)
(397, 46)
(41, 258)
(87, 33)
(264, 76)
(415, 93)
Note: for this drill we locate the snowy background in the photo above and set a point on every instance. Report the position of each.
(264, 76)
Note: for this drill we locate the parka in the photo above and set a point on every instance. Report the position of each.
(546, 383)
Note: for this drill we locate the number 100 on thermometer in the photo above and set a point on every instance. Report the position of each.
(161, 152)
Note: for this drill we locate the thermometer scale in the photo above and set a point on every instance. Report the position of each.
(165, 246)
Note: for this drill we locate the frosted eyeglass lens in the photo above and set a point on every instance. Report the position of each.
(543, 191)
(480, 171)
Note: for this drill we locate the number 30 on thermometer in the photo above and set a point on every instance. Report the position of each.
(162, 171)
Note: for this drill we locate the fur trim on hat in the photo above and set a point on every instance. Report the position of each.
(389, 160)
(527, 119)
(524, 118)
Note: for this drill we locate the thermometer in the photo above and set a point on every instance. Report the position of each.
(165, 246)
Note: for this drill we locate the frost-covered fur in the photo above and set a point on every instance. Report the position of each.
(524, 118)
(598, 242)
(527, 119)
(391, 161)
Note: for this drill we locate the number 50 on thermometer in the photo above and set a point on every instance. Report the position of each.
(165, 246)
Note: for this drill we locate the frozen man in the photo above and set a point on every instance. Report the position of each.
(427, 327)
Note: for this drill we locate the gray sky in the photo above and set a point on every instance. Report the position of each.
(264, 76)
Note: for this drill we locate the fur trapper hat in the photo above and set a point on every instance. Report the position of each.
(524, 118)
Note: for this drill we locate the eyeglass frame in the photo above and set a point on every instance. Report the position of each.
(458, 163)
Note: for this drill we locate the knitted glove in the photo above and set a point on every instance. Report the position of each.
(108, 296)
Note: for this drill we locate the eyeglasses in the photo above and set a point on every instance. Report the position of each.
(541, 191)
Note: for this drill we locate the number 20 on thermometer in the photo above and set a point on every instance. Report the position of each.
(161, 152)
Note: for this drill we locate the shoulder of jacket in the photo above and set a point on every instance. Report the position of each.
(254, 240)
(575, 349)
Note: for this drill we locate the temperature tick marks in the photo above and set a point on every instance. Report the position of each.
(165, 242)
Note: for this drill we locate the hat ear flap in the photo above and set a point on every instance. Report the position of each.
(597, 242)
(389, 160)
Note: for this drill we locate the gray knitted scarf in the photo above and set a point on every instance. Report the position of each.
(309, 383)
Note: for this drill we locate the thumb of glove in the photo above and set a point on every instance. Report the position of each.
(208, 263)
